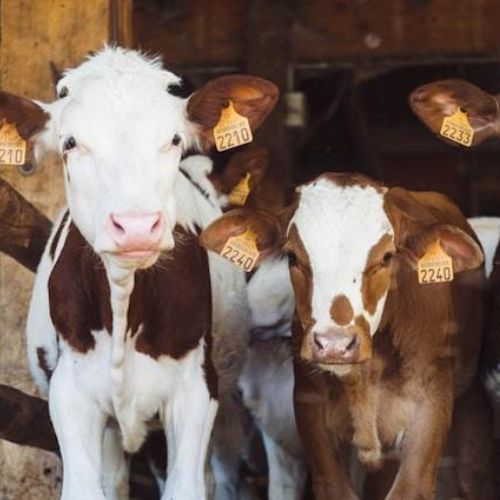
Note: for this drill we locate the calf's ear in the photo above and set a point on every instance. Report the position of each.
(433, 102)
(28, 117)
(264, 225)
(252, 160)
(462, 248)
(251, 96)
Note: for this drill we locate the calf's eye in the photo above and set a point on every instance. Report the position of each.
(69, 144)
(292, 258)
(387, 258)
(176, 140)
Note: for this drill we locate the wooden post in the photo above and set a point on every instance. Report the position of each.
(32, 34)
(268, 56)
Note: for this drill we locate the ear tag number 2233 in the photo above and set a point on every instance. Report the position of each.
(241, 250)
(12, 145)
(436, 266)
(457, 128)
(233, 129)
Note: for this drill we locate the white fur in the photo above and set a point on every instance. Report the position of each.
(123, 120)
(338, 227)
(271, 298)
(267, 379)
(487, 230)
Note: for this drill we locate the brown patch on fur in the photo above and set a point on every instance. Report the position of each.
(171, 301)
(365, 340)
(79, 293)
(55, 241)
(377, 273)
(341, 310)
(42, 362)
(301, 277)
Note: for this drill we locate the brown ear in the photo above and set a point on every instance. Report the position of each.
(252, 97)
(28, 117)
(435, 101)
(461, 247)
(265, 225)
(252, 160)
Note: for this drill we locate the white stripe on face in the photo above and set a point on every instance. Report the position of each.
(339, 225)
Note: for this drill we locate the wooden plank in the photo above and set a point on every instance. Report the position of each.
(209, 32)
(32, 34)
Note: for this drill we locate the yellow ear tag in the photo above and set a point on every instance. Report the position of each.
(240, 192)
(242, 250)
(233, 129)
(457, 128)
(12, 145)
(436, 266)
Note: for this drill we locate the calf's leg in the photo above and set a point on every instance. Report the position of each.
(188, 419)
(79, 424)
(416, 478)
(114, 465)
(329, 478)
(287, 472)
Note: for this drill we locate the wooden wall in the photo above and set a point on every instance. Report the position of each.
(212, 32)
(32, 33)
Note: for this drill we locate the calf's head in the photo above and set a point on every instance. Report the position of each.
(120, 125)
(346, 238)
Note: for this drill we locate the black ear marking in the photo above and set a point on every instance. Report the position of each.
(184, 88)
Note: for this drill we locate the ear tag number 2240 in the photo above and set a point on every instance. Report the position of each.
(436, 266)
(233, 129)
(241, 250)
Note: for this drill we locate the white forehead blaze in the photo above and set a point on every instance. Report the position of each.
(338, 226)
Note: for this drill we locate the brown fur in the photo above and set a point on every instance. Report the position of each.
(27, 116)
(171, 301)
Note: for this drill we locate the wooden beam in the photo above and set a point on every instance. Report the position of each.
(24, 230)
(25, 420)
(267, 55)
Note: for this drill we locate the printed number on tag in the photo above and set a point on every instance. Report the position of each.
(436, 266)
(457, 128)
(233, 129)
(12, 146)
(241, 251)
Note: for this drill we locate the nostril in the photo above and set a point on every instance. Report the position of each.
(117, 225)
(352, 344)
(157, 224)
(317, 343)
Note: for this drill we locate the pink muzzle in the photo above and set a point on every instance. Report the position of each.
(136, 234)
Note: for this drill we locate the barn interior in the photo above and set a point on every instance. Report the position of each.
(345, 69)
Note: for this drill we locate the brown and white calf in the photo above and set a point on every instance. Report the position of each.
(130, 320)
(379, 357)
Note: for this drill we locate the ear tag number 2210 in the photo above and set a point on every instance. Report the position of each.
(233, 129)
(12, 145)
(436, 266)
